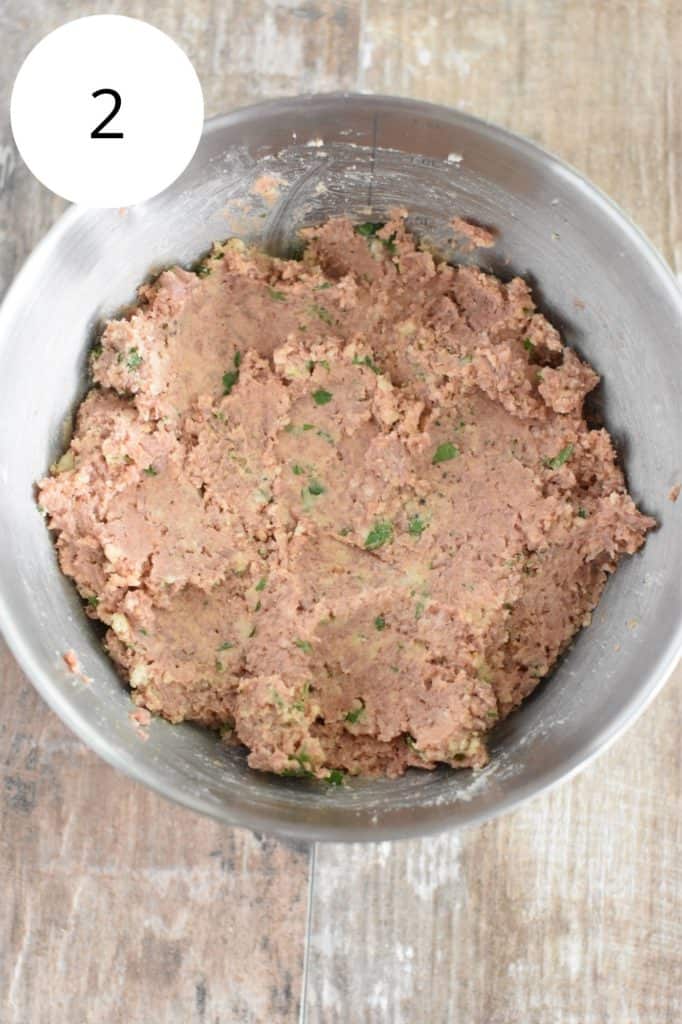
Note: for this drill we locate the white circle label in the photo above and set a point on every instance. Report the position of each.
(107, 111)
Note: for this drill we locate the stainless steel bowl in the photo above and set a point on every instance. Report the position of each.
(594, 275)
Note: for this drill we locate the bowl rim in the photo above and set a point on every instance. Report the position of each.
(287, 826)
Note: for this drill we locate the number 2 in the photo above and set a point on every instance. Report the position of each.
(97, 132)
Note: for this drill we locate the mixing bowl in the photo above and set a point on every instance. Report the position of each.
(261, 173)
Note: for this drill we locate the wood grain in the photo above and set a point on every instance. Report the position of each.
(120, 907)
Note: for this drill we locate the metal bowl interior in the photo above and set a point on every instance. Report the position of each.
(594, 276)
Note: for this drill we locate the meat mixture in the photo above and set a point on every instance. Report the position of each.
(344, 509)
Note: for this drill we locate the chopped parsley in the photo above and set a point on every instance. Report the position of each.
(134, 359)
(582, 513)
(416, 526)
(277, 296)
(559, 460)
(368, 362)
(304, 645)
(419, 610)
(227, 646)
(381, 532)
(380, 623)
(528, 345)
(466, 359)
(369, 228)
(335, 777)
(444, 452)
(96, 351)
(323, 313)
(261, 583)
(297, 470)
(315, 488)
(299, 703)
(150, 471)
(320, 397)
(202, 270)
(322, 287)
(302, 760)
(92, 601)
(232, 376)
(355, 713)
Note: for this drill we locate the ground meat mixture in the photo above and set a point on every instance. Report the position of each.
(345, 509)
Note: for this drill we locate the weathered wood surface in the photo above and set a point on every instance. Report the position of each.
(118, 907)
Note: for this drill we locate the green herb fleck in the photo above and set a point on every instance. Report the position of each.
(316, 488)
(297, 470)
(304, 645)
(322, 287)
(368, 362)
(227, 646)
(582, 513)
(419, 610)
(528, 345)
(134, 359)
(380, 623)
(96, 351)
(277, 296)
(444, 452)
(308, 426)
(335, 777)
(150, 471)
(559, 460)
(369, 228)
(301, 769)
(416, 526)
(92, 601)
(202, 270)
(355, 713)
(237, 360)
(299, 703)
(229, 380)
(323, 313)
(491, 714)
(261, 583)
(381, 532)
(321, 397)
(345, 531)
(466, 359)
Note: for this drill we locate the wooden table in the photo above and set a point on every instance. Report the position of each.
(566, 912)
